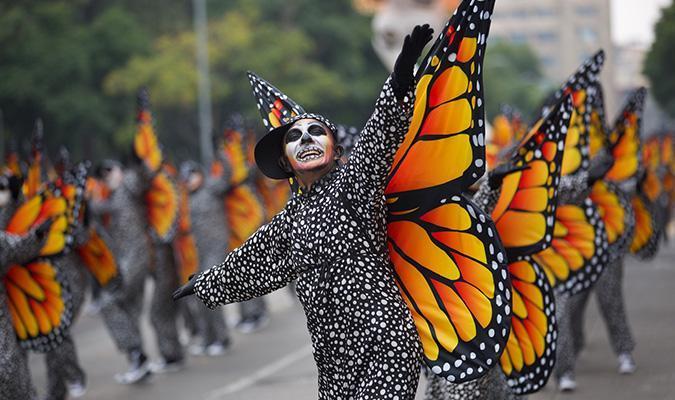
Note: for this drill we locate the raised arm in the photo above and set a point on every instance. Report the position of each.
(259, 266)
(371, 159)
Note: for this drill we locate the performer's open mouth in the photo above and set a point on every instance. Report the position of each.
(309, 153)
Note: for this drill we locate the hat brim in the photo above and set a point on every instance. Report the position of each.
(267, 153)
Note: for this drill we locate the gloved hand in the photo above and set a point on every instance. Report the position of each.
(599, 169)
(186, 290)
(496, 176)
(15, 185)
(413, 44)
(43, 229)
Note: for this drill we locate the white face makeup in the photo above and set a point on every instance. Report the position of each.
(194, 181)
(114, 177)
(4, 197)
(309, 146)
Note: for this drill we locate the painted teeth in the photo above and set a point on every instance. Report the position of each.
(309, 154)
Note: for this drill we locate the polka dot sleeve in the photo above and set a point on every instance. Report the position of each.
(259, 266)
(371, 159)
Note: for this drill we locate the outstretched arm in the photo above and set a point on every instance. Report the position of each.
(259, 266)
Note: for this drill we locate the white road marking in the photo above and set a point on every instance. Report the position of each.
(262, 373)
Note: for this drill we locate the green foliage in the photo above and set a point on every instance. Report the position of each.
(78, 63)
(512, 76)
(658, 65)
(53, 60)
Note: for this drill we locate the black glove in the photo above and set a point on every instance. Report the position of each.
(598, 171)
(15, 185)
(496, 176)
(413, 44)
(186, 290)
(43, 229)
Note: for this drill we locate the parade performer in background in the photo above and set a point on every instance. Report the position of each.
(245, 213)
(35, 300)
(124, 208)
(332, 238)
(613, 197)
(211, 234)
(578, 254)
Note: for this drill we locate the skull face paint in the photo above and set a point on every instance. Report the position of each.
(309, 146)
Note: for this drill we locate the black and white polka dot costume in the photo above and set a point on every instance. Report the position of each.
(15, 380)
(332, 238)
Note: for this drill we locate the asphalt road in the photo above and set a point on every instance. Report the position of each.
(276, 363)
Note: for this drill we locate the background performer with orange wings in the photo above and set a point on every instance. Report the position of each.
(15, 381)
(332, 238)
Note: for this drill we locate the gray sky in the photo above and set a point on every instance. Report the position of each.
(633, 20)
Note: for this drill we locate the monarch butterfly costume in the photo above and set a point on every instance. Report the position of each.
(523, 205)
(139, 213)
(578, 253)
(245, 212)
(448, 265)
(35, 298)
(613, 197)
(211, 234)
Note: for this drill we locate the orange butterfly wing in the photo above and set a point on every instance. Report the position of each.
(449, 266)
(530, 354)
(37, 210)
(244, 212)
(146, 145)
(524, 211)
(578, 252)
(615, 210)
(161, 201)
(645, 238)
(581, 86)
(39, 304)
(184, 244)
(624, 140)
(274, 195)
(98, 258)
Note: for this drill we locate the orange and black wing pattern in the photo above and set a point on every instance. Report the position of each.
(624, 140)
(524, 212)
(244, 212)
(502, 137)
(274, 194)
(530, 354)
(37, 210)
(39, 304)
(146, 145)
(524, 216)
(646, 237)
(450, 268)
(233, 148)
(597, 129)
(448, 117)
(184, 244)
(448, 261)
(616, 212)
(98, 258)
(33, 183)
(581, 85)
(578, 252)
(161, 201)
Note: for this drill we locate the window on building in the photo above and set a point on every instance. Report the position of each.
(587, 35)
(587, 10)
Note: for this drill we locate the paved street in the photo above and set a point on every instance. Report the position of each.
(277, 364)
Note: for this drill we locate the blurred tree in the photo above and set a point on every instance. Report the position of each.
(52, 63)
(512, 76)
(319, 53)
(658, 65)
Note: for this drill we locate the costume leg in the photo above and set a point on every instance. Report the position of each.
(577, 308)
(253, 308)
(565, 347)
(62, 368)
(120, 322)
(609, 292)
(163, 310)
(15, 382)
